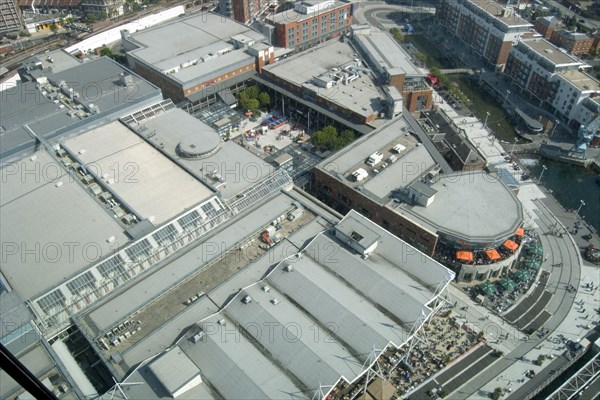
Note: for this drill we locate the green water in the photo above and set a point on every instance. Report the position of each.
(481, 101)
(570, 184)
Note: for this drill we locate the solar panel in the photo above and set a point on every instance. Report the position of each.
(142, 248)
(190, 221)
(112, 267)
(165, 235)
(51, 301)
(83, 284)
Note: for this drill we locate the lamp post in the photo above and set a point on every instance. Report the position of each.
(579, 208)
(555, 126)
(486, 119)
(542, 173)
(506, 98)
(513, 147)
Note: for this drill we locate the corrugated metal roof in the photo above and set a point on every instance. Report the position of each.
(174, 370)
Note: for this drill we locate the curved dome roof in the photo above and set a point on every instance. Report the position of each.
(199, 144)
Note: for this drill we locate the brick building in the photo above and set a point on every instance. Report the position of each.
(486, 27)
(573, 42)
(546, 26)
(311, 22)
(197, 57)
(243, 10)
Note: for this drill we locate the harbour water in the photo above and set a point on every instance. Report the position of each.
(570, 184)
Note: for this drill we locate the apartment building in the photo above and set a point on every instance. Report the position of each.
(243, 10)
(553, 79)
(573, 42)
(486, 27)
(311, 22)
(11, 18)
(546, 26)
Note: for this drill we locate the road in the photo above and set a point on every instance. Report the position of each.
(565, 11)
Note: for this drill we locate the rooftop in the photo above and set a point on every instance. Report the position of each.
(388, 53)
(193, 48)
(582, 80)
(152, 185)
(473, 206)
(547, 50)
(75, 227)
(313, 7)
(228, 167)
(98, 93)
(364, 304)
(360, 95)
(505, 15)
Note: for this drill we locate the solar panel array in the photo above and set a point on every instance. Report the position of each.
(272, 184)
(54, 308)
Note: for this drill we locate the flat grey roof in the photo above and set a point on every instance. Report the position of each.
(151, 388)
(472, 206)
(412, 164)
(311, 358)
(345, 160)
(387, 52)
(201, 41)
(147, 180)
(497, 11)
(350, 226)
(57, 60)
(142, 291)
(294, 16)
(362, 96)
(57, 223)
(97, 82)
(239, 167)
(155, 342)
(550, 52)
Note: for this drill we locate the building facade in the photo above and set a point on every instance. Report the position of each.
(311, 22)
(546, 26)
(201, 61)
(243, 10)
(108, 8)
(11, 18)
(486, 27)
(573, 42)
(553, 79)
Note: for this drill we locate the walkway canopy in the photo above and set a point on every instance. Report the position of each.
(512, 246)
(535, 250)
(487, 288)
(464, 255)
(522, 275)
(520, 232)
(532, 263)
(507, 284)
(493, 254)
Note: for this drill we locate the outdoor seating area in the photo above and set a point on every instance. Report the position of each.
(452, 257)
(502, 293)
(448, 337)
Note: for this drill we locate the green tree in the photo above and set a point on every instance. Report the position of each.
(264, 99)
(106, 51)
(593, 53)
(54, 28)
(397, 34)
(253, 105)
(497, 393)
(253, 92)
(328, 138)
